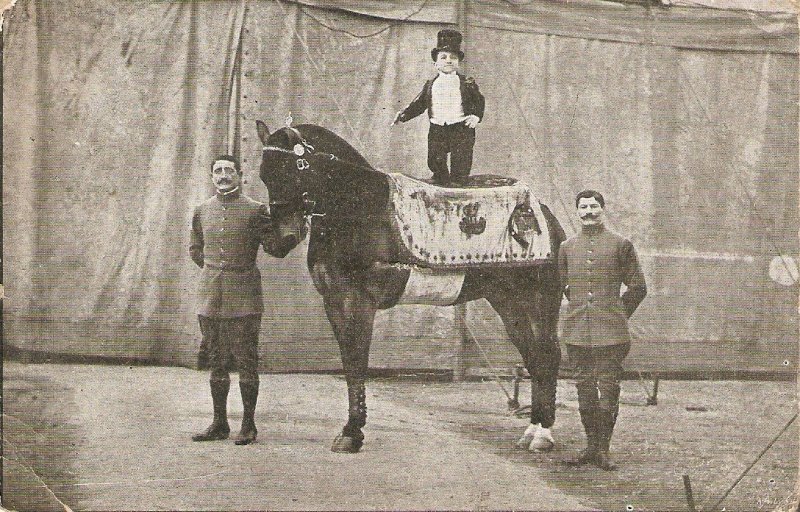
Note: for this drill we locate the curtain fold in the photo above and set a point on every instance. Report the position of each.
(681, 27)
(427, 11)
(127, 108)
(114, 111)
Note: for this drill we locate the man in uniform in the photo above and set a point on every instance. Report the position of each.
(593, 265)
(227, 230)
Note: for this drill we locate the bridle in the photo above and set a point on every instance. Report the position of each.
(301, 151)
(304, 155)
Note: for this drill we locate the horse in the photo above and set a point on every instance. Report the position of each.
(318, 182)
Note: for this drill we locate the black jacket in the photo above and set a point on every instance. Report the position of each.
(471, 100)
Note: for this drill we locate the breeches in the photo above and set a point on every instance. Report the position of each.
(232, 344)
(456, 139)
(598, 372)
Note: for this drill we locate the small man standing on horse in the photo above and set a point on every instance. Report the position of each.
(593, 265)
(455, 107)
(227, 230)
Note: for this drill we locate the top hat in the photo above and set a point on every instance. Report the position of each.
(448, 41)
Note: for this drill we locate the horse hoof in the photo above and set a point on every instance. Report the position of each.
(527, 437)
(524, 442)
(346, 444)
(541, 445)
(542, 441)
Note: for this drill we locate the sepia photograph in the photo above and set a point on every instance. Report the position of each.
(400, 255)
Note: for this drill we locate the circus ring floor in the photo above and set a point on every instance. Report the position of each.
(94, 437)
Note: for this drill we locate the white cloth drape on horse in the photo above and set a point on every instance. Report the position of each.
(448, 227)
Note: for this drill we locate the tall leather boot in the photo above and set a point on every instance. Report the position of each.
(607, 420)
(219, 428)
(248, 432)
(589, 454)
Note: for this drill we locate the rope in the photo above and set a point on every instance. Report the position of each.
(486, 359)
(365, 36)
(714, 507)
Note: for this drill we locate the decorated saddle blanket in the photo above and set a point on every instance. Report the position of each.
(490, 220)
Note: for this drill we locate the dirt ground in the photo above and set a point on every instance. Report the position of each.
(112, 438)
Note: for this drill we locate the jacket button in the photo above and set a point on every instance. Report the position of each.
(222, 229)
(589, 261)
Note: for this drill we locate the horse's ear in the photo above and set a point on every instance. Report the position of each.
(263, 131)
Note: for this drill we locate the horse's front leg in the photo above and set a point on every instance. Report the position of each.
(352, 315)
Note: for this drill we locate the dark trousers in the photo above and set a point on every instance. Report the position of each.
(455, 139)
(598, 372)
(230, 344)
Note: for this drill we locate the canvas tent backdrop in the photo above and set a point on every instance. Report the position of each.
(685, 117)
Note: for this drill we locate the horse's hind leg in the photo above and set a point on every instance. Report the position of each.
(546, 310)
(352, 315)
(533, 333)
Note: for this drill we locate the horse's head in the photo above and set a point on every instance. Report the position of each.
(284, 169)
(297, 165)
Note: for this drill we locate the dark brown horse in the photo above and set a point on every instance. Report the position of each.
(311, 172)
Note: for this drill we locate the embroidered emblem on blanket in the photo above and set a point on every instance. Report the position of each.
(488, 222)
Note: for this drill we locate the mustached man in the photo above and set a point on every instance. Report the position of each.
(593, 265)
(227, 230)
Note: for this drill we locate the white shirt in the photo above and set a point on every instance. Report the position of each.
(446, 107)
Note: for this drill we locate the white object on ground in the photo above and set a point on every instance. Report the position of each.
(527, 437)
(542, 440)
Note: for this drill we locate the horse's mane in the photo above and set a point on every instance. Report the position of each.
(326, 141)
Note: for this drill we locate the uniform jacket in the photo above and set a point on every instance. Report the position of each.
(226, 234)
(593, 265)
(471, 100)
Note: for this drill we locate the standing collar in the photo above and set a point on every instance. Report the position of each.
(230, 195)
(592, 230)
